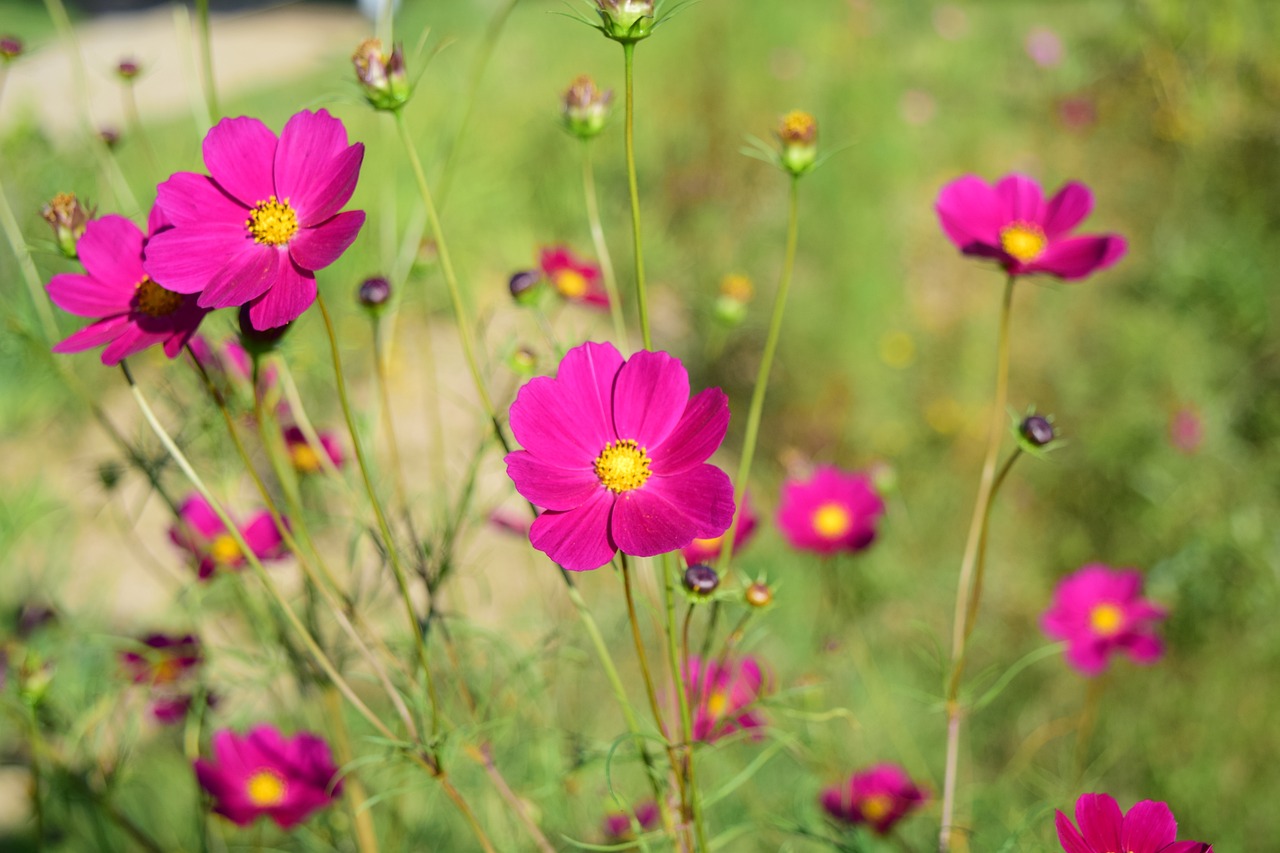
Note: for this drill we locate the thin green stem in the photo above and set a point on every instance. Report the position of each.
(30, 276)
(980, 566)
(756, 411)
(206, 58)
(384, 400)
(677, 662)
(965, 588)
(602, 246)
(134, 121)
(1088, 722)
(361, 818)
(642, 303)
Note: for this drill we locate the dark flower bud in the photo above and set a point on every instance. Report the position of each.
(374, 293)
(67, 217)
(128, 69)
(759, 594)
(259, 341)
(798, 134)
(701, 579)
(10, 48)
(110, 136)
(1037, 430)
(585, 108)
(524, 285)
(626, 21)
(383, 77)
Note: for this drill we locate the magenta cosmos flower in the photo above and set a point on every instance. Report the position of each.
(723, 695)
(265, 773)
(201, 532)
(878, 797)
(832, 511)
(166, 664)
(1013, 224)
(615, 453)
(257, 230)
(135, 312)
(575, 279)
(1148, 827)
(617, 825)
(706, 550)
(1100, 611)
(305, 457)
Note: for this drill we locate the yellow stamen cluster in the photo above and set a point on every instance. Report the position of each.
(832, 521)
(876, 806)
(153, 300)
(737, 287)
(304, 458)
(224, 550)
(570, 283)
(272, 222)
(717, 704)
(1106, 620)
(265, 788)
(798, 128)
(1023, 240)
(622, 466)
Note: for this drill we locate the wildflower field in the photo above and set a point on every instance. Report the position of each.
(505, 425)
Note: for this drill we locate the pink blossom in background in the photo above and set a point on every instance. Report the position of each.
(723, 695)
(202, 533)
(167, 667)
(1012, 224)
(617, 825)
(265, 773)
(1100, 611)
(1186, 429)
(575, 279)
(1077, 112)
(1044, 47)
(832, 511)
(257, 230)
(615, 452)
(706, 550)
(1148, 827)
(135, 312)
(305, 457)
(878, 797)
(511, 521)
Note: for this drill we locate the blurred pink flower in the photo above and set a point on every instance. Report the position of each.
(1148, 827)
(722, 695)
(879, 797)
(615, 452)
(1077, 112)
(832, 511)
(575, 279)
(136, 312)
(201, 532)
(706, 550)
(257, 230)
(1044, 47)
(305, 457)
(1099, 611)
(617, 825)
(1012, 224)
(264, 773)
(167, 667)
(1186, 429)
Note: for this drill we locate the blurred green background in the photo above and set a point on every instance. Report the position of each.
(1168, 109)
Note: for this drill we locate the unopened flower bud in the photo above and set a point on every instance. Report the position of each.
(128, 69)
(110, 136)
(10, 48)
(759, 594)
(259, 341)
(701, 579)
(1037, 430)
(523, 362)
(585, 108)
(798, 134)
(524, 286)
(736, 293)
(626, 21)
(383, 77)
(67, 217)
(374, 293)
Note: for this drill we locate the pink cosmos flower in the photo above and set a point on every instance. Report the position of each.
(706, 550)
(615, 453)
(723, 695)
(879, 797)
(230, 366)
(575, 279)
(511, 521)
(1044, 47)
(257, 230)
(1148, 827)
(305, 457)
(832, 511)
(1186, 429)
(617, 825)
(264, 773)
(167, 667)
(1011, 223)
(135, 311)
(201, 532)
(1099, 611)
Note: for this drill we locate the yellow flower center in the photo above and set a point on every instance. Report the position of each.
(304, 457)
(1106, 620)
(622, 466)
(166, 671)
(717, 704)
(265, 788)
(875, 807)
(571, 283)
(153, 300)
(1023, 240)
(832, 521)
(272, 222)
(224, 550)
(737, 287)
(798, 127)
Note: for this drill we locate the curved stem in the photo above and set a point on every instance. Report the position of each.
(206, 57)
(981, 514)
(365, 835)
(602, 246)
(628, 56)
(30, 275)
(384, 401)
(134, 121)
(756, 411)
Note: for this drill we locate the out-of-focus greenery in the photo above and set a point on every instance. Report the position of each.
(1168, 109)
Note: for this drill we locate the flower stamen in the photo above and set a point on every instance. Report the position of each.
(272, 222)
(832, 521)
(1025, 241)
(265, 788)
(1106, 620)
(153, 300)
(622, 466)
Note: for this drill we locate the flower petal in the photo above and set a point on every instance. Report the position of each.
(185, 259)
(568, 420)
(316, 248)
(263, 537)
(85, 296)
(1148, 827)
(649, 397)
(131, 341)
(94, 335)
(645, 524)
(292, 292)
(329, 188)
(969, 212)
(550, 486)
(702, 493)
(111, 251)
(1079, 257)
(240, 154)
(313, 165)
(1145, 648)
(1067, 209)
(697, 435)
(1021, 199)
(1100, 819)
(191, 199)
(243, 277)
(577, 539)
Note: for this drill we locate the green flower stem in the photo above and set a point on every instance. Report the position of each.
(455, 293)
(628, 57)
(299, 413)
(981, 563)
(366, 836)
(31, 276)
(676, 662)
(206, 58)
(602, 246)
(393, 553)
(1088, 722)
(384, 401)
(756, 411)
(973, 544)
(134, 121)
